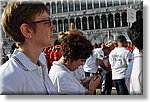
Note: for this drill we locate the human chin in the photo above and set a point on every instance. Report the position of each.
(51, 43)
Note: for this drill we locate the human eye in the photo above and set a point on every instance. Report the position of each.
(46, 22)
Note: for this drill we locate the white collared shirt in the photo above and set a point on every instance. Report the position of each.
(20, 76)
(64, 80)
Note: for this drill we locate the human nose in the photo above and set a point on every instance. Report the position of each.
(52, 27)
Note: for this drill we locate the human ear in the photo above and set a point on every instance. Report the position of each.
(26, 31)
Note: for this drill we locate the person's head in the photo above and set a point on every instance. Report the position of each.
(138, 41)
(112, 45)
(75, 49)
(61, 36)
(121, 41)
(75, 32)
(135, 33)
(95, 45)
(28, 21)
(106, 50)
(139, 15)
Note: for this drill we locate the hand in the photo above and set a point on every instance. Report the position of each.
(86, 82)
(94, 82)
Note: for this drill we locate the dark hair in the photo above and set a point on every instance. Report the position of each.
(106, 50)
(138, 41)
(19, 12)
(56, 42)
(136, 37)
(62, 35)
(76, 46)
(121, 39)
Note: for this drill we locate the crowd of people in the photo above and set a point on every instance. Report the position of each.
(70, 65)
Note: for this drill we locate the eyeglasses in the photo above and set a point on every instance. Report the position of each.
(48, 22)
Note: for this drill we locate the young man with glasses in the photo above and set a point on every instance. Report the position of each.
(29, 25)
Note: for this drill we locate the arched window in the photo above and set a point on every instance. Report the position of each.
(103, 4)
(130, 1)
(72, 21)
(137, 1)
(55, 24)
(109, 3)
(71, 5)
(91, 24)
(116, 2)
(96, 4)
(110, 21)
(123, 2)
(60, 26)
(89, 4)
(117, 20)
(124, 19)
(77, 5)
(59, 8)
(78, 23)
(97, 22)
(53, 8)
(65, 8)
(84, 23)
(104, 21)
(83, 5)
(48, 6)
(66, 27)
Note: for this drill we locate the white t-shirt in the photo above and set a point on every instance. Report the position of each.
(91, 62)
(20, 76)
(136, 80)
(119, 59)
(64, 80)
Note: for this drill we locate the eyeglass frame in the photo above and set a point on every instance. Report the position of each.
(46, 20)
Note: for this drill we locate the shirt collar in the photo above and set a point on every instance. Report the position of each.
(26, 61)
(62, 66)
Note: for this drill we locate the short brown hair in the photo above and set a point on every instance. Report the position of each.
(76, 46)
(19, 12)
(62, 35)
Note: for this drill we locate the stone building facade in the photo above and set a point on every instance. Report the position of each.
(99, 20)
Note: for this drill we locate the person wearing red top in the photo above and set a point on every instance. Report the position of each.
(46, 53)
(57, 53)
